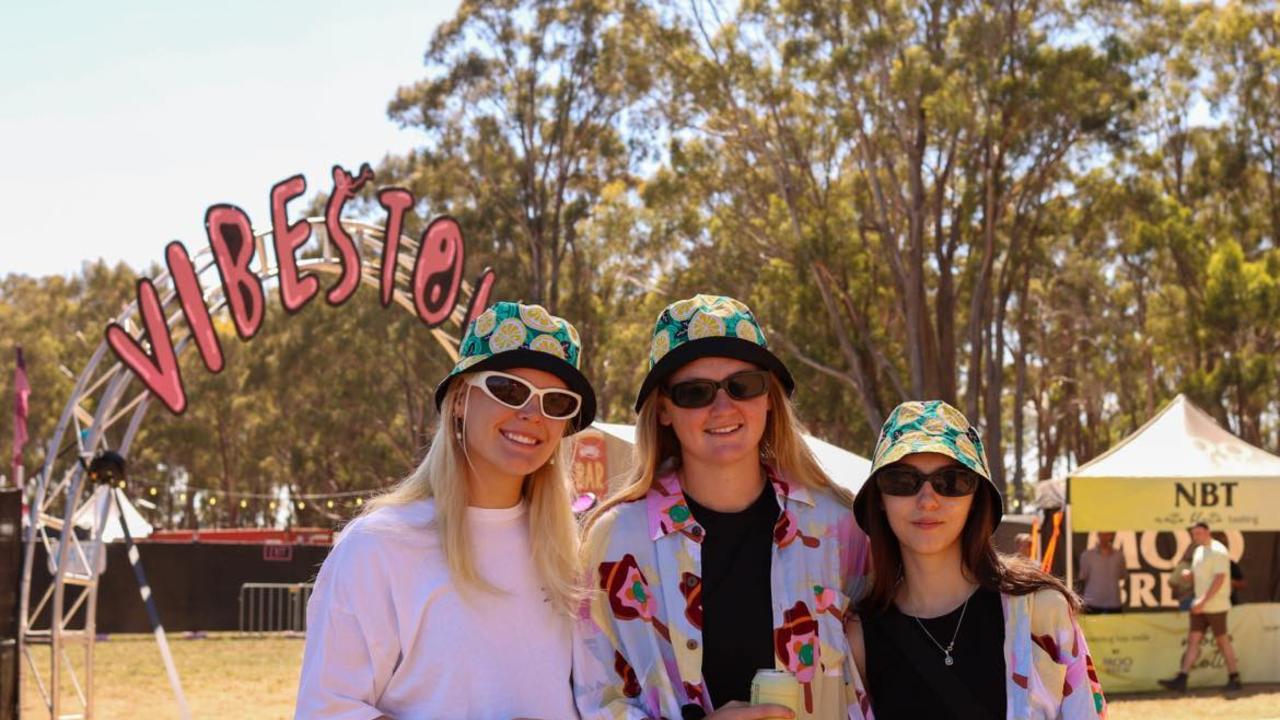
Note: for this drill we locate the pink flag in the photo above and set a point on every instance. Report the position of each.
(21, 391)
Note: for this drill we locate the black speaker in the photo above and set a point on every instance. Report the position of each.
(10, 586)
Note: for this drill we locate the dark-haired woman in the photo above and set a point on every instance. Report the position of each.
(949, 628)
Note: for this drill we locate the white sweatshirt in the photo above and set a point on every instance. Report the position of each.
(390, 634)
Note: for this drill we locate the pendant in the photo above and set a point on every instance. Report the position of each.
(949, 662)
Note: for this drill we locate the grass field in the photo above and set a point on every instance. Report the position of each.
(232, 677)
(224, 677)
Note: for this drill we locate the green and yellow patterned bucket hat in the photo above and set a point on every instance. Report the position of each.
(512, 335)
(934, 426)
(707, 326)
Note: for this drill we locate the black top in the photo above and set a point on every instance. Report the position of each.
(737, 602)
(897, 682)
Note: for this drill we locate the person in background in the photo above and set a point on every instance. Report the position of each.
(1238, 582)
(1022, 543)
(1101, 570)
(1210, 572)
(453, 594)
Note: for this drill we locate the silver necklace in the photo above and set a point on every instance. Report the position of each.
(946, 651)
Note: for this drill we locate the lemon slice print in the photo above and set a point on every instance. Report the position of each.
(745, 330)
(953, 417)
(660, 346)
(547, 344)
(705, 325)
(684, 309)
(485, 324)
(537, 317)
(572, 332)
(508, 336)
(907, 414)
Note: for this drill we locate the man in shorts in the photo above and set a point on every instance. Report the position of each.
(1210, 570)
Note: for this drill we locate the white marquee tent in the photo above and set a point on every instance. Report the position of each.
(1179, 468)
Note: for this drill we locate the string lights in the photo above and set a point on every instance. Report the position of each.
(246, 501)
(307, 497)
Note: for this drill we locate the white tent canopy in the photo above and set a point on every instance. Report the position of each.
(1051, 493)
(111, 532)
(847, 469)
(1179, 468)
(1182, 441)
(625, 433)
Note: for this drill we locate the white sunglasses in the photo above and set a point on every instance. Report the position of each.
(514, 392)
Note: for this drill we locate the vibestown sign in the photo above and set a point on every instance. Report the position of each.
(423, 275)
(434, 280)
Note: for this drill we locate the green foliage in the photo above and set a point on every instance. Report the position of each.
(1055, 215)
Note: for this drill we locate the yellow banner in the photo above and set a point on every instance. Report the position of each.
(1099, 503)
(1131, 652)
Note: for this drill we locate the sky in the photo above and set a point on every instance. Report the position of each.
(120, 122)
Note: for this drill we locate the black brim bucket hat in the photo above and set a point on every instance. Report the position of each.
(920, 426)
(707, 326)
(512, 335)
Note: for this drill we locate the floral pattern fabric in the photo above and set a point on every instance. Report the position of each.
(1049, 673)
(638, 642)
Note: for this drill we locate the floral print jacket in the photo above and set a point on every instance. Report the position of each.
(1048, 671)
(638, 642)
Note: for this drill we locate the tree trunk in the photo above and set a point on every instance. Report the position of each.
(1020, 391)
(980, 301)
(994, 427)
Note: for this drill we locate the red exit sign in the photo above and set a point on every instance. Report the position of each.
(277, 553)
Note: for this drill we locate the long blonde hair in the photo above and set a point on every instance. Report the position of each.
(782, 446)
(442, 475)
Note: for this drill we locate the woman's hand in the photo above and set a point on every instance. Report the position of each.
(738, 710)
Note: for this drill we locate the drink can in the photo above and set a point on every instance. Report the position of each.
(776, 687)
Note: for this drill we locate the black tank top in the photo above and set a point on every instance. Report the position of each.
(896, 678)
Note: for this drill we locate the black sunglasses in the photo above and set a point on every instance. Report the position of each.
(905, 481)
(701, 393)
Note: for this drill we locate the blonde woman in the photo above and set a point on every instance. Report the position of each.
(949, 628)
(729, 551)
(452, 595)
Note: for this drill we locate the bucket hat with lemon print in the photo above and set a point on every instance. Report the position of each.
(919, 426)
(707, 326)
(512, 335)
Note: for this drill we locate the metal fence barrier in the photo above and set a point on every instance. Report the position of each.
(274, 607)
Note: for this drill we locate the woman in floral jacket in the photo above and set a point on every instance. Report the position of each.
(729, 551)
(948, 627)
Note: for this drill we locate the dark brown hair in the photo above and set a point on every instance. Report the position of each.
(1007, 574)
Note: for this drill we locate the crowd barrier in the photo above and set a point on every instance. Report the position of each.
(274, 607)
